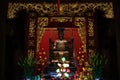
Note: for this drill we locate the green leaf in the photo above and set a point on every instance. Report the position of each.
(99, 61)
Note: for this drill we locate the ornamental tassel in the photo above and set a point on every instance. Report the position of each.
(58, 4)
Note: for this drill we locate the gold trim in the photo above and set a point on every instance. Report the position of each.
(42, 21)
(61, 19)
(69, 9)
(80, 21)
(90, 27)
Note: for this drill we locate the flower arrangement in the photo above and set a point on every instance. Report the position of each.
(27, 64)
(98, 62)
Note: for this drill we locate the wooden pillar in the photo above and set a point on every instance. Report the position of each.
(3, 11)
(116, 6)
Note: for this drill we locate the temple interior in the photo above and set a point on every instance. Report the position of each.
(60, 40)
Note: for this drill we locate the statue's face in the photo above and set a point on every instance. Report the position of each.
(60, 37)
(60, 34)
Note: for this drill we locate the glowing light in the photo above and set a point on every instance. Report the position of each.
(59, 74)
(68, 70)
(63, 70)
(59, 64)
(66, 74)
(63, 59)
(65, 65)
(28, 79)
(58, 70)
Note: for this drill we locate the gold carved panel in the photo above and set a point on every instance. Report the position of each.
(42, 21)
(69, 9)
(32, 28)
(80, 22)
(61, 19)
(90, 27)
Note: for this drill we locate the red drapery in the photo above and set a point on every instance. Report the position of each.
(79, 55)
(69, 33)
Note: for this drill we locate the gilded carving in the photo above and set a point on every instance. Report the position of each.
(90, 27)
(42, 21)
(91, 43)
(31, 43)
(81, 61)
(42, 9)
(80, 21)
(69, 9)
(84, 48)
(91, 51)
(31, 51)
(61, 19)
(32, 28)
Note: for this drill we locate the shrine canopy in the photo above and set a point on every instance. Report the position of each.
(61, 24)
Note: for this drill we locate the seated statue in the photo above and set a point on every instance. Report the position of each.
(60, 44)
(60, 47)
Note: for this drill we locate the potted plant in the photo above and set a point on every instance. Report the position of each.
(28, 65)
(98, 62)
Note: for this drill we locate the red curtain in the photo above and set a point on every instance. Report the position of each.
(69, 33)
(80, 56)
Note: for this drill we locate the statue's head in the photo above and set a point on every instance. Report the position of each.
(60, 37)
(60, 33)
